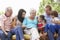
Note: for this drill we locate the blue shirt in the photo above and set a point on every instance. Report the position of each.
(30, 23)
(49, 25)
(48, 18)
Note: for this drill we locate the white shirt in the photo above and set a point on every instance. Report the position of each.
(55, 19)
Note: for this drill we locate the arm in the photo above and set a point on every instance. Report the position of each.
(56, 21)
(24, 23)
(2, 25)
(46, 28)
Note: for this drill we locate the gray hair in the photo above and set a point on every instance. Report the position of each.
(32, 10)
(8, 9)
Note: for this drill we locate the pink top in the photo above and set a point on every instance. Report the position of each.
(5, 22)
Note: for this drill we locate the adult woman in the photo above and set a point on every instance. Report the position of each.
(17, 23)
(31, 25)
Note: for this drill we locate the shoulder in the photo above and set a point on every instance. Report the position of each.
(26, 18)
(2, 17)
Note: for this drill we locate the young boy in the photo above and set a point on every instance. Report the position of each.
(54, 15)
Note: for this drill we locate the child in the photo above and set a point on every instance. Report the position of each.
(41, 25)
(54, 15)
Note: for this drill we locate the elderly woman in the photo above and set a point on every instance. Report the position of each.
(17, 25)
(30, 24)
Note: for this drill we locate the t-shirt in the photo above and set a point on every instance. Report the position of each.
(30, 23)
(55, 19)
(48, 18)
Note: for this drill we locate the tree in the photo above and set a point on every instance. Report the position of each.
(1, 12)
(54, 5)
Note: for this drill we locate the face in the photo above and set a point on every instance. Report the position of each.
(39, 19)
(52, 16)
(23, 14)
(33, 14)
(8, 13)
(47, 11)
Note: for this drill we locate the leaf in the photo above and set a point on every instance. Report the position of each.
(55, 6)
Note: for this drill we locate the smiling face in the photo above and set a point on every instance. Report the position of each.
(39, 19)
(23, 14)
(47, 11)
(8, 12)
(33, 13)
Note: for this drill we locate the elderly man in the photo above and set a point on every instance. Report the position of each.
(5, 23)
(48, 9)
(7, 30)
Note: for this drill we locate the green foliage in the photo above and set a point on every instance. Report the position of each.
(1, 12)
(55, 6)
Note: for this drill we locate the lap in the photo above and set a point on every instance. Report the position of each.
(14, 30)
(33, 32)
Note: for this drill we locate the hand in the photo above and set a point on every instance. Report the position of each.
(23, 27)
(6, 33)
(41, 34)
(53, 21)
(45, 34)
(22, 39)
(55, 35)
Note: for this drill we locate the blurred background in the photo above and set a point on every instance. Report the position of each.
(19, 4)
(55, 4)
(28, 4)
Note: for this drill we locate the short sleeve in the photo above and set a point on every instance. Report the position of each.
(1, 21)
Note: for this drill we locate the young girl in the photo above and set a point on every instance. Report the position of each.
(41, 25)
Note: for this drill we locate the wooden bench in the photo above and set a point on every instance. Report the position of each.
(27, 37)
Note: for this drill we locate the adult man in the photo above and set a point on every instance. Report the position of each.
(5, 23)
(48, 9)
(49, 29)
